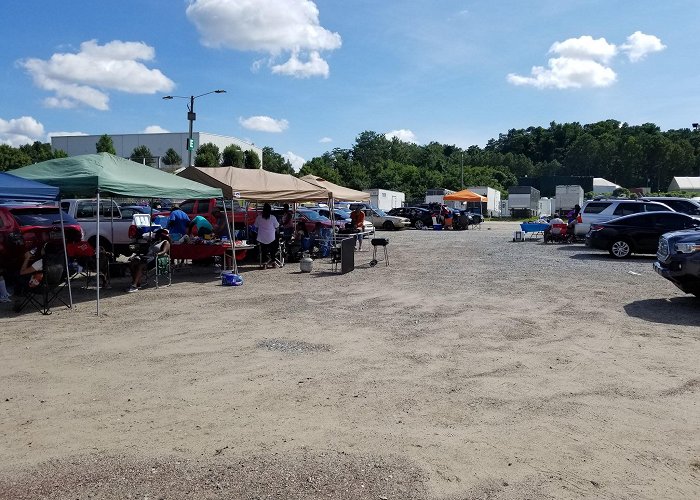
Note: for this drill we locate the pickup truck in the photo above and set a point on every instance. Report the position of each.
(116, 232)
(678, 259)
(205, 207)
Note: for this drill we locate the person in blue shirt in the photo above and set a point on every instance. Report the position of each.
(178, 222)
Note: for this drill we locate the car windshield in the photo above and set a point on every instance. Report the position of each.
(380, 212)
(343, 214)
(41, 216)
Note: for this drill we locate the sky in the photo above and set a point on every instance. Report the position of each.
(305, 77)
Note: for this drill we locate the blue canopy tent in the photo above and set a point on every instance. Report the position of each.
(18, 189)
(13, 188)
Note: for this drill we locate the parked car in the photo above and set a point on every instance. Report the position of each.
(306, 215)
(128, 211)
(637, 233)
(27, 226)
(604, 210)
(682, 205)
(342, 218)
(205, 207)
(678, 259)
(419, 217)
(462, 219)
(383, 220)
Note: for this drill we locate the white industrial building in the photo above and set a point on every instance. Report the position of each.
(385, 199)
(685, 184)
(157, 144)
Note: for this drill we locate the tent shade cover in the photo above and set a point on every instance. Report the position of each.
(465, 195)
(685, 184)
(19, 189)
(255, 184)
(339, 193)
(85, 175)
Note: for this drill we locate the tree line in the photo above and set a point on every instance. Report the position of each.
(629, 155)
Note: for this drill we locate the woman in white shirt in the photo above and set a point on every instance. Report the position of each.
(267, 235)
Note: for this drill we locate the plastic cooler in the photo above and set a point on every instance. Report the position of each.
(437, 227)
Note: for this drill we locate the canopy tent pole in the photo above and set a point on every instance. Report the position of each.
(97, 250)
(234, 265)
(65, 254)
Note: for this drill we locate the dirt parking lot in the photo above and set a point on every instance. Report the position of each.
(471, 367)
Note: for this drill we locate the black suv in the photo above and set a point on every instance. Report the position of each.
(678, 259)
(419, 217)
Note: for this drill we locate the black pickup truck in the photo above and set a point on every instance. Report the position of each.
(678, 259)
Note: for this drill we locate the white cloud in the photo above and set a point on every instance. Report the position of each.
(324, 140)
(273, 27)
(154, 129)
(296, 160)
(83, 78)
(585, 62)
(402, 135)
(585, 48)
(315, 66)
(639, 45)
(564, 73)
(19, 131)
(264, 124)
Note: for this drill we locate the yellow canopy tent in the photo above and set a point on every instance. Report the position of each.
(465, 195)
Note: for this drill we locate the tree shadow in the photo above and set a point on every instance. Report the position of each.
(683, 311)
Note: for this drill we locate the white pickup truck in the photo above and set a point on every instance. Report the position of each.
(114, 230)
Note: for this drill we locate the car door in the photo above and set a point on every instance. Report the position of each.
(639, 230)
(661, 223)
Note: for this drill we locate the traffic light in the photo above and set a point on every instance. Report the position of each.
(190, 144)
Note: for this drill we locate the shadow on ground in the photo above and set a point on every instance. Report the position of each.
(684, 311)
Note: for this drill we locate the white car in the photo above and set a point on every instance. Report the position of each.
(594, 211)
(382, 220)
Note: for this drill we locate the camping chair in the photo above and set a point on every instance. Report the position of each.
(51, 285)
(558, 234)
(162, 272)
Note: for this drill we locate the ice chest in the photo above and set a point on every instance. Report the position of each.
(229, 278)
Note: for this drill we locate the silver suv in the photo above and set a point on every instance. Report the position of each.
(594, 211)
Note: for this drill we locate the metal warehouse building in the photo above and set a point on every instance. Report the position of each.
(158, 144)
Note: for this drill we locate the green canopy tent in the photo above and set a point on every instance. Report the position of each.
(106, 174)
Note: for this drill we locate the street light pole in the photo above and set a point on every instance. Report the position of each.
(461, 165)
(191, 117)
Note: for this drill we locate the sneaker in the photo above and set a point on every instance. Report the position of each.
(132, 289)
(5, 298)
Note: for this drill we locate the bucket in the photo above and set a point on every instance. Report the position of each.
(229, 278)
(437, 227)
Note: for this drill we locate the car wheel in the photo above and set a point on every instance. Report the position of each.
(620, 249)
(388, 225)
(419, 224)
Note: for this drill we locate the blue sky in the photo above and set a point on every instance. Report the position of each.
(305, 77)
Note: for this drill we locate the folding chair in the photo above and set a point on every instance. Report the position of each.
(51, 285)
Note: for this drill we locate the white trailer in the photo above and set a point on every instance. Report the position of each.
(523, 201)
(546, 207)
(567, 197)
(493, 203)
(384, 199)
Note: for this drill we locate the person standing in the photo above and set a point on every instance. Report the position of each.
(178, 222)
(221, 224)
(358, 223)
(267, 235)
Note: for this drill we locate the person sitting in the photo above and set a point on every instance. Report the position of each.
(548, 230)
(201, 226)
(220, 227)
(30, 275)
(573, 218)
(140, 265)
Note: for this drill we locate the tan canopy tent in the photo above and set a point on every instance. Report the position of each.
(465, 195)
(338, 193)
(255, 184)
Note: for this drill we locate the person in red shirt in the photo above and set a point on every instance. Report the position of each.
(358, 222)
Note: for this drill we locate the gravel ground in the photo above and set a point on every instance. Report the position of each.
(471, 367)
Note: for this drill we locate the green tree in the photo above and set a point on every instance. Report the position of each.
(275, 162)
(252, 160)
(233, 156)
(141, 154)
(11, 158)
(172, 158)
(210, 156)
(105, 145)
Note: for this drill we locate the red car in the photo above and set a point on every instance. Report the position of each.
(23, 227)
(205, 207)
